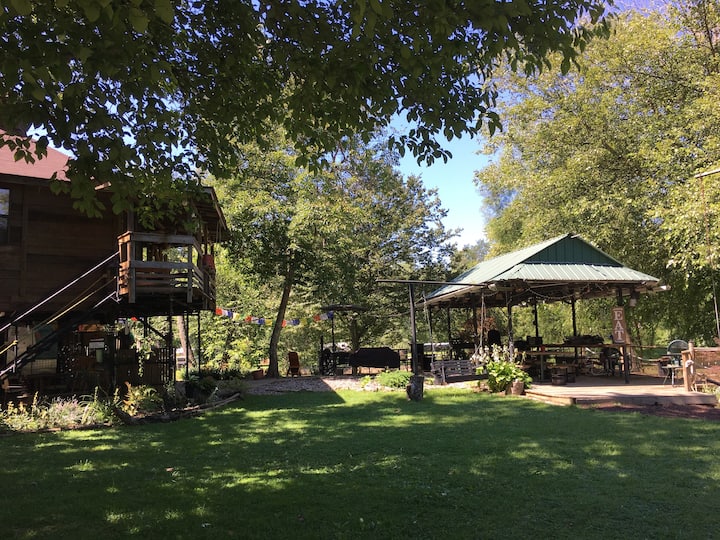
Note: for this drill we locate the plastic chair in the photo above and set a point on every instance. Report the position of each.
(674, 354)
(293, 364)
(675, 349)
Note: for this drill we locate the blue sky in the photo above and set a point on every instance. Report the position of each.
(454, 179)
(454, 182)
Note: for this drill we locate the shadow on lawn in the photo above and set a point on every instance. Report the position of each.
(375, 465)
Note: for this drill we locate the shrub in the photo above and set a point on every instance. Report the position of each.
(502, 373)
(58, 413)
(393, 379)
(141, 399)
(226, 388)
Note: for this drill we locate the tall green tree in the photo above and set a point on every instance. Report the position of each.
(608, 150)
(145, 93)
(277, 221)
(390, 227)
(330, 235)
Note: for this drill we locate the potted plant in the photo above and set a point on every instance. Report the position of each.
(505, 375)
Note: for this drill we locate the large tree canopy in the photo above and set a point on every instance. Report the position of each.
(328, 237)
(147, 92)
(609, 151)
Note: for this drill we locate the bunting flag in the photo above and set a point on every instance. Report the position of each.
(264, 321)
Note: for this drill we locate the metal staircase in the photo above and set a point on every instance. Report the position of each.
(91, 297)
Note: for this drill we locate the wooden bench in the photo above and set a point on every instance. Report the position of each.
(448, 371)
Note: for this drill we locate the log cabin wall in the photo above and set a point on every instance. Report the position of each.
(48, 243)
(45, 244)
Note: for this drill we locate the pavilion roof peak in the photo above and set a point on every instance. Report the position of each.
(564, 262)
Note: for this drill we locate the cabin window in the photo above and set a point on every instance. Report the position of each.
(4, 214)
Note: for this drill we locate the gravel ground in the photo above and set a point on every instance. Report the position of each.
(323, 384)
(299, 384)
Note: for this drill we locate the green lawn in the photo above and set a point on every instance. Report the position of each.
(369, 465)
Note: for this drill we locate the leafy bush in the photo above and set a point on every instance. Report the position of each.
(393, 379)
(502, 373)
(229, 387)
(58, 413)
(201, 390)
(141, 399)
(221, 374)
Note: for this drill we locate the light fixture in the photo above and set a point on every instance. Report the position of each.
(634, 297)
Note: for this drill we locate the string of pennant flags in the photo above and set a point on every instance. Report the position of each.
(251, 319)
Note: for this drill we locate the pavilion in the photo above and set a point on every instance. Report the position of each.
(563, 269)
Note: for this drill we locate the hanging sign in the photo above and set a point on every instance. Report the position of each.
(619, 329)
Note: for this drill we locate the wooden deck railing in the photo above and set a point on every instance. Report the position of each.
(146, 270)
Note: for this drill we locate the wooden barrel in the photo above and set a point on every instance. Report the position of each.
(559, 376)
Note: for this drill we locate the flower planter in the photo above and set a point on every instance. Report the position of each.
(517, 388)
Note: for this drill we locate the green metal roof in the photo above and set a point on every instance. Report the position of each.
(562, 267)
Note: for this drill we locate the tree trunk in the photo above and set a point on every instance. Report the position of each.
(189, 353)
(354, 334)
(415, 388)
(273, 368)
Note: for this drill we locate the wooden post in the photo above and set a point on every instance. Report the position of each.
(688, 366)
(416, 386)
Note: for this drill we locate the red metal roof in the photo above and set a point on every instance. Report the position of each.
(42, 168)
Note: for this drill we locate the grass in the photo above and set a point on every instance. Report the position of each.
(352, 465)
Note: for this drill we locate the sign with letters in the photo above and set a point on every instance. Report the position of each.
(619, 330)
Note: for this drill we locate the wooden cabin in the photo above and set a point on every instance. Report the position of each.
(71, 284)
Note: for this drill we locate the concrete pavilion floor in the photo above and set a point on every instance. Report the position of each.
(641, 390)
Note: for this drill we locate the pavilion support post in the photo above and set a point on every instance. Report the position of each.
(430, 329)
(332, 328)
(623, 348)
(199, 341)
(574, 315)
(449, 325)
(475, 323)
(511, 338)
(186, 316)
(483, 322)
(574, 322)
(417, 380)
(170, 363)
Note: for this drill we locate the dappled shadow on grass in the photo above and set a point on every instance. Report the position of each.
(369, 465)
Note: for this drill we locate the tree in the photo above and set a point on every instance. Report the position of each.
(271, 209)
(469, 256)
(389, 227)
(608, 150)
(329, 236)
(145, 94)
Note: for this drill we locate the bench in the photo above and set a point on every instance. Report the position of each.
(448, 371)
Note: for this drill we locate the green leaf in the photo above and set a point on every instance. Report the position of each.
(91, 9)
(164, 10)
(38, 93)
(22, 7)
(138, 20)
(565, 66)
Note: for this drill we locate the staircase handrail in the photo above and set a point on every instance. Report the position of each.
(31, 352)
(60, 291)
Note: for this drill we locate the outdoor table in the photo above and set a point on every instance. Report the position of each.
(542, 356)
